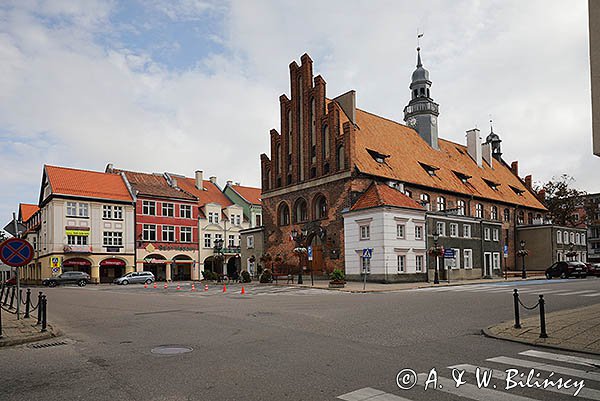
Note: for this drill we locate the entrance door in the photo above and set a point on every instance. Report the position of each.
(316, 265)
(487, 264)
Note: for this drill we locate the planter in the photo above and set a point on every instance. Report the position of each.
(337, 284)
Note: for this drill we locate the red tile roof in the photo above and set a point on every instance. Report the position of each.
(408, 152)
(211, 194)
(382, 195)
(88, 184)
(154, 185)
(27, 210)
(250, 194)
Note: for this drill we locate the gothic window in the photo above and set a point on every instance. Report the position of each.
(283, 214)
(320, 207)
(479, 211)
(441, 203)
(289, 140)
(494, 213)
(341, 158)
(326, 168)
(507, 215)
(325, 145)
(520, 217)
(268, 178)
(529, 218)
(460, 205)
(278, 159)
(300, 211)
(313, 131)
(300, 131)
(426, 201)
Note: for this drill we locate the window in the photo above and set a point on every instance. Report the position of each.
(300, 211)
(207, 241)
(365, 264)
(365, 232)
(83, 210)
(468, 258)
(441, 203)
(559, 237)
(168, 209)
(149, 208)
(250, 241)
(479, 211)
(486, 233)
(453, 230)
(258, 220)
(168, 234)
(112, 238)
(284, 214)
(496, 260)
(440, 228)
(400, 230)
(456, 258)
(520, 217)
(529, 218)
(232, 219)
(185, 234)
(231, 241)
(572, 237)
(496, 235)
(408, 193)
(218, 237)
(107, 212)
(419, 263)
(185, 211)
(418, 232)
(320, 207)
(77, 239)
(460, 206)
(325, 144)
(149, 232)
(426, 201)
(401, 263)
(467, 230)
(341, 158)
(238, 220)
(494, 213)
(565, 238)
(118, 212)
(506, 215)
(71, 208)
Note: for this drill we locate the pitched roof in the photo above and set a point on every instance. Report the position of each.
(154, 185)
(250, 194)
(27, 210)
(382, 195)
(211, 194)
(85, 183)
(409, 157)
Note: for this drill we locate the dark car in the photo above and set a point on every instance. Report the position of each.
(79, 278)
(593, 269)
(566, 270)
(11, 281)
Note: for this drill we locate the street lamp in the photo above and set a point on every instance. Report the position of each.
(523, 252)
(436, 277)
(299, 237)
(218, 248)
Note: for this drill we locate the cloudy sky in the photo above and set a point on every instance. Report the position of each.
(167, 85)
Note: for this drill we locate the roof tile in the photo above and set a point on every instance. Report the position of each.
(85, 183)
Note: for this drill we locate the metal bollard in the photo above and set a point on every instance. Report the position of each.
(44, 306)
(0, 322)
(1, 291)
(12, 298)
(39, 308)
(27, 303)
(516, 302)
(543, 333)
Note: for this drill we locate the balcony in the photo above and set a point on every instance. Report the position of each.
(232, 250)
(417, 107)
(77, 249)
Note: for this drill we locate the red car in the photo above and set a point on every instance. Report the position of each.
(11, 281)
(593, 269)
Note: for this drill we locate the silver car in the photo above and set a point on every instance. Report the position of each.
(135, 277)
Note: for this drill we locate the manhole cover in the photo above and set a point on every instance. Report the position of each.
(171, 349)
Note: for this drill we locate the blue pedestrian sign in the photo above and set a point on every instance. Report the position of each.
(309, 252)
(506, 251)
(16, 252)
(367, 253)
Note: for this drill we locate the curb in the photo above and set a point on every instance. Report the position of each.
(486, 332)
(50, 333)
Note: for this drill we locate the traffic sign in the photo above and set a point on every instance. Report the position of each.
(16, 252)
(367, 253)
(506, 251)
(449, 253)
(310, 253)
(55, 262)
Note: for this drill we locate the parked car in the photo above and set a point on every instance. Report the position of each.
(593, 269)
(79, 278)
(135, 277)
(566, 270)
(11, 281)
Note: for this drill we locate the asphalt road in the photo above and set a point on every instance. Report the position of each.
(285, 344)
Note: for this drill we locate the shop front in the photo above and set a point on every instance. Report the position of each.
(111, 269)
(77, 264)
(157, 264)
(182, 268)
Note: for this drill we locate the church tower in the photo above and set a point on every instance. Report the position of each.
(494, 140)
(421, 112)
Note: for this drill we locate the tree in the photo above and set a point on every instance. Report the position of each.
(562, 200)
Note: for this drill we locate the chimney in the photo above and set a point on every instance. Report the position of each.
(541, 195)
(174, 182)
(528, 182)
(213, 179)
(199, 179)
(486, 149)
(514, 167)
(474, 146)
(347, 102)
(229, 183)
(109, 168)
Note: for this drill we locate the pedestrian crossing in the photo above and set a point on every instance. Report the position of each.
(531, 375)
(504, 289)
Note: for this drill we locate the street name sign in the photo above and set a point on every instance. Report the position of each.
(449, 254)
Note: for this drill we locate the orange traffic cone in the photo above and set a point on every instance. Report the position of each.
(224, 288)
(145, 285)
(155, 285)
(243, 291)
(193, 287)
(178, 287)
(166, 286)
(205, 287)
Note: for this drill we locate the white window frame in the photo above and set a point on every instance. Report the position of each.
(185, 211)
(565, 238)
(418, 232)
(466, 230)
(401, 263)
(71, 209)
(496, 261)
(486, 234)
(117, 212)
(147, 230)
(495, 235)
(168, 233)
(559, 237)
(400, 231)
(238, 220)
(77, 239)
(457, 258)
(185, 234)
(231, 241)
(167, 210)
(83, 210)
(107, 212)
(453, 229)
(572, 237)
(468, 256)
(479, 211)
(250, 241)
(441, 232)
(365, 232)
(148, 208)
(441, 203)
(112, 238)
(461, 207)
(419, 266)
(207, 240)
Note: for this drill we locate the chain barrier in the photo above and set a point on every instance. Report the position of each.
(41, 306)
(542, 305)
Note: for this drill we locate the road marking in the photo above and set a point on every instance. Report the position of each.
(501, 375)
(546, 367)
(472, 391)
(370, 394)
(597, 294)
(577, 292)
(563, 358)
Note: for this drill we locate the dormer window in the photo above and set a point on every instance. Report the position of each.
(430, 169)
(492, 184)
(464, 178)
(517, 190)
(378, 157)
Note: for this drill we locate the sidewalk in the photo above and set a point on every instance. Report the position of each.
(572, 330)
(356, 286)
(22, 331)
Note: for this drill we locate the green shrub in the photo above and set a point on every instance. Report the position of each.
(246, 277)
(266, 276)
(337, 275)
(208, 275)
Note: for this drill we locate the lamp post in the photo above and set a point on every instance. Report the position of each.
(436, 277)
(218, 249)
(299, 237)
(523, 253)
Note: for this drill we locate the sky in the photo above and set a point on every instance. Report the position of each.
(179, 86)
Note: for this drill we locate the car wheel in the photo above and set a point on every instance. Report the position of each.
(583, 276)
(124, 282)
(564, 275)
(82, 283)
(52, 284)
(548, 276)
(148, 281)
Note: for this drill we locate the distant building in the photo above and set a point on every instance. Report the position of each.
(29, 217)
(252, 242)
(249, 199)
(547, 243)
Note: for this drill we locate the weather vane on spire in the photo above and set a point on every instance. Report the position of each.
(491, 126)
(419, 36)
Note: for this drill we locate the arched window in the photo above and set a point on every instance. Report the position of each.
(507, 215)
(572, 238)
(313, 132)
(460, 206)
(494, 213)
(278, 159)
(479, 211)
(559, 237)
(268, 178)
(325, 145)
(565, 238)
(520, 217)
(320, 207)
(341, 158)
(529, 218)
(441, 203)
(300, 131)
(426, 201)
(300, 211)
(283, 214)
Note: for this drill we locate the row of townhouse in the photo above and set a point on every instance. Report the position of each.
(114, 222)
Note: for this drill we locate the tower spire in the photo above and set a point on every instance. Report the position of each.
(419, 64)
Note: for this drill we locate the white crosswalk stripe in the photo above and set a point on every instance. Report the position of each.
(597, 294)
(577, 292)
(563, 358)
(546, 367)
(505, 289)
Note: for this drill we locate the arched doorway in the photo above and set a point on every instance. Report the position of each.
(212, 264)
(233, 267)
(77, 264)
(157, 264)
(110, 269)
(317, 264)
(181, 269)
